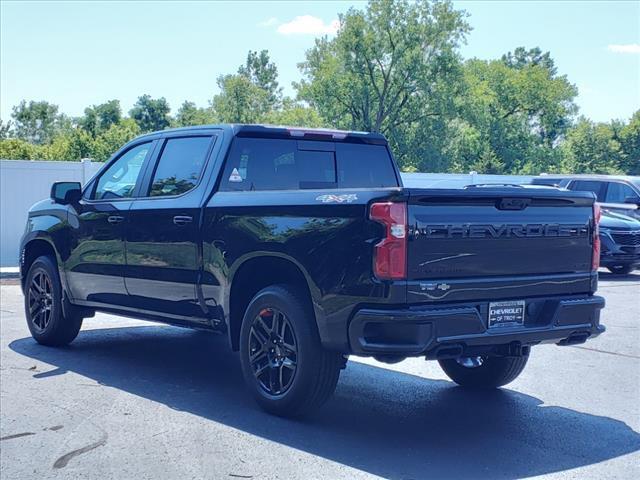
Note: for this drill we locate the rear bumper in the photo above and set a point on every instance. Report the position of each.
(454, 330)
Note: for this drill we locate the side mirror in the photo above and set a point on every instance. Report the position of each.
(633, 201)
(66, 192)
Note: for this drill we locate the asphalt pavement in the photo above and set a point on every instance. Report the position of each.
(130, 399)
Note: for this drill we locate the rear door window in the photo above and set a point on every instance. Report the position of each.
(179, 166)
(588, 186)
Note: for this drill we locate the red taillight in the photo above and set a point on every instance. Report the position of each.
(595, 256)
(390, 255)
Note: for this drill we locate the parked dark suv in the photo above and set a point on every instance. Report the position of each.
(619, 197)
(617, 193)
(620, 242)
(302, 247)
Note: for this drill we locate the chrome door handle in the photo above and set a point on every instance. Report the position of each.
(114, 219)
(182, 219)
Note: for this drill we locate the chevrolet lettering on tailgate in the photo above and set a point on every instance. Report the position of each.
(504, 230)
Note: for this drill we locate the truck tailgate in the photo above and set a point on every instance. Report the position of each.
(498, 242)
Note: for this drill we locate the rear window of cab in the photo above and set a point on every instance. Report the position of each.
(288, 164)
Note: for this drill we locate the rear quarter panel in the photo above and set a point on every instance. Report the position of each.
(329, 239)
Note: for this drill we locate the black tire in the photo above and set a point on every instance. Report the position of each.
(45, 319)
(492, 373)
(621, 269)
(315, 370)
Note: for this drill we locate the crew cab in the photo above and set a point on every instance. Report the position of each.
(303, 247)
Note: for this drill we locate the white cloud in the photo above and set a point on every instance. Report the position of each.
(308, 25)
(628, 48)
(269, 22)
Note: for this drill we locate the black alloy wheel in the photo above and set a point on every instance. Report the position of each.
(273, 351)
(50, 321)
(40, 300)
(284, 364)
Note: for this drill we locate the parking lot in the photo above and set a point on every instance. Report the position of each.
(137, 400)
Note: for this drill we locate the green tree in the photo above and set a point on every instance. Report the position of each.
(522, 58)
(294, 114)
(592, 148)
(189, 114)
(151, 114)
(629, 138)
(35, 122)
(108, 142)
(98, 118)
(466, 145)
(61, 150)
(18, 149)
(5, 130)
(262, 72)
(71, 146)
(519, 111)
(387, 70)
(239, 100)
(77, 143)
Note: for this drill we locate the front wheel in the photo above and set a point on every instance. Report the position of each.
(43, 306)
(484, 372)
(621, 269)
(283, 362)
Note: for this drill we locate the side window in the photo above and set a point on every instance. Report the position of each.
(588, 186)
(271, 164)
(119, 180)
(364, 166)
(618, 192)
(179, 166)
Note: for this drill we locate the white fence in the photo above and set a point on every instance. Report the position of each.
(24, 182)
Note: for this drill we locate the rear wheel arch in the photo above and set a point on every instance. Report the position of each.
(253, 275)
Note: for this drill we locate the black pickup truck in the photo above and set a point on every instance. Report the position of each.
(303, 247)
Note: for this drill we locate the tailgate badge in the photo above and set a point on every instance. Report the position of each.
(435, 286)
(346, 198)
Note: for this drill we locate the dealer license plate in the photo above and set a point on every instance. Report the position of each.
(506, 313)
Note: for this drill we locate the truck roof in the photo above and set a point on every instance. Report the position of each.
(278, 131)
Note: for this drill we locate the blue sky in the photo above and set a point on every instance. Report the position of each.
(76, 54)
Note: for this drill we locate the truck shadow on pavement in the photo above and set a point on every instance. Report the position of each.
(383, 422)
